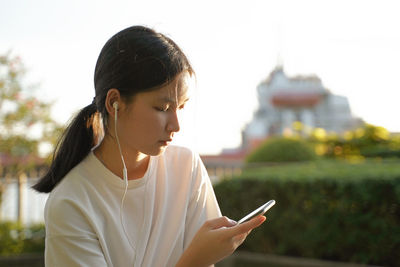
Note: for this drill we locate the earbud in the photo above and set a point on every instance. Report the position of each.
(115, 106)
(124, 171)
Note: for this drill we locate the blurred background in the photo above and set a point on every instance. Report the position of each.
(293, 100)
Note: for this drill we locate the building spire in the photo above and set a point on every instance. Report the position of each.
(279, 58)
(279, 61)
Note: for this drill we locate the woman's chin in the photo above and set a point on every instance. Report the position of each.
(157, 150)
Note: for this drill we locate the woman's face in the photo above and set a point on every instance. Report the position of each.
(147, 124)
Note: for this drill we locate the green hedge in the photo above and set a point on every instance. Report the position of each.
(380, 152)
(17, 239)
(282, 149)
(326, 210)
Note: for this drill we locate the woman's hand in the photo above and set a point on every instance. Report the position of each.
(215, 240)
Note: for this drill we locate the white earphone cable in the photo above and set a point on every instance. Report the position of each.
(125, 176)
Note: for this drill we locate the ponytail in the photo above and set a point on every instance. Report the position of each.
(73, 146)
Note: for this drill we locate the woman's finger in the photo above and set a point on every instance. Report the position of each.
(247, 226)
(220, 222)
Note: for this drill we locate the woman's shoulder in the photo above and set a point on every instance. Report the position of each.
(72, 195)
(73, 184)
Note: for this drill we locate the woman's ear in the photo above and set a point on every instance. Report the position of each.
(113, 96)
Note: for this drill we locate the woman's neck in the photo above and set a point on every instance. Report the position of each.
(136, 163)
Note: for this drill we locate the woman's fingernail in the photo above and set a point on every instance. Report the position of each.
(232, 222)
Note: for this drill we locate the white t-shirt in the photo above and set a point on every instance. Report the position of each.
(162, 212)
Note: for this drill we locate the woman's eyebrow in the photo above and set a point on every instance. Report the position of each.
(172, 100)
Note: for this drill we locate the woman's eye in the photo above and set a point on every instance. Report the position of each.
(166, 108)
(163, 109)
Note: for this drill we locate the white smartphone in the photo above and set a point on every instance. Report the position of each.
(260, 211)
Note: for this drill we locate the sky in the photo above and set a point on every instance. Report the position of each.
(353, 46)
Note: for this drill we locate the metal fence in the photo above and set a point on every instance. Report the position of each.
(19, 202)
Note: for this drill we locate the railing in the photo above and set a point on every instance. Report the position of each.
(223, 170)
(19, 202)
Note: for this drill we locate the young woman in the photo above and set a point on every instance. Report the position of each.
(120, 195)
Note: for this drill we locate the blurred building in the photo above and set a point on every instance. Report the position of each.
(285, 101)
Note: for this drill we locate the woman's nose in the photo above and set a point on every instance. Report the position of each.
(173, 122)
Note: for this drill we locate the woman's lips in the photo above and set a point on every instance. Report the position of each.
(165, 142)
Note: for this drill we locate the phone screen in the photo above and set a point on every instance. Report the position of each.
(261, 210)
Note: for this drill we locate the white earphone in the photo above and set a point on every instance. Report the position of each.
(125, 175)
(115, 106)
(124, 172)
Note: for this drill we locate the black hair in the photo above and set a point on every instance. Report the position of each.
(134, 60)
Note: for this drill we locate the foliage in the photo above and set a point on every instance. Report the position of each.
(282, 149)
(380, 151)
(22, 115)
(368, 141)
(16, 239)
(330, 210)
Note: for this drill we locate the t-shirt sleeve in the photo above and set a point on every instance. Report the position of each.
(203, 204)
(70, 241)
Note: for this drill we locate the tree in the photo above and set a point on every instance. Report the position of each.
(25, 121)
(25, 124)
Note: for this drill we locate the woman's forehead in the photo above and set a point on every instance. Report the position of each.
(175, 91)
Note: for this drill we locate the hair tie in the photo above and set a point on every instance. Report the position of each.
(93, 104)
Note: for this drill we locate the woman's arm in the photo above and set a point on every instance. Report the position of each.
(67, 251)
(215, 240)
(70, 239)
